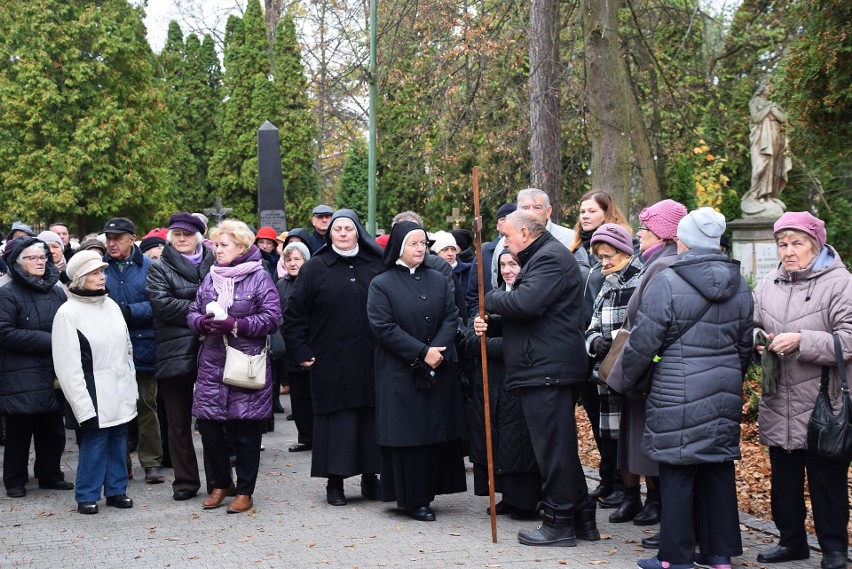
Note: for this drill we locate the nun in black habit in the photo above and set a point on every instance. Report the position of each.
(419, 407)
(326, 331)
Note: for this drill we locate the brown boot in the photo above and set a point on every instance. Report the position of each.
(216, 497)
(240, 504)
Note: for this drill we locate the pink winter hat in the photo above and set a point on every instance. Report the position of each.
(615, 235)
(662, 218)
(802, 221)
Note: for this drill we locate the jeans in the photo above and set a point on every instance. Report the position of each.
(102, 463)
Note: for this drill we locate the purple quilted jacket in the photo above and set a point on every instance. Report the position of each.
(255, 300)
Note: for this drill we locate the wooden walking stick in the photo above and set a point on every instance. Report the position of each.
(489, 453)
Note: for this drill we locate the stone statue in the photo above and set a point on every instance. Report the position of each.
(770, 161)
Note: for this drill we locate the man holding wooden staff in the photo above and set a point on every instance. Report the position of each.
(541, 322)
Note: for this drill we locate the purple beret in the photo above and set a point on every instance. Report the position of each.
(187, 222)
(802, 221)
(615, 235)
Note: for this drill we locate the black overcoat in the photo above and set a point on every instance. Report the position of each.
(27, 308)
(410, 312)
(326, 319)
(171, 286)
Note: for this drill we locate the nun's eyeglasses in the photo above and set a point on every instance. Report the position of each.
(416, 244)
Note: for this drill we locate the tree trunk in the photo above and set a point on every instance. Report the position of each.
(622, 163)
(545, 140)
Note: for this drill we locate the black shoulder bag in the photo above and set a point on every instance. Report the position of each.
(830, 435)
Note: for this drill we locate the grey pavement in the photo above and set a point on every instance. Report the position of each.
(292, 526)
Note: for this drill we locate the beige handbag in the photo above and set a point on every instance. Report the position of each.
(243, 370)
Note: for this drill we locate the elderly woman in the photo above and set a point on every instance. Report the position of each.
(293, 257)
(516, 474)
(28, 398)
(419, 414)
(597, 208)
(238, 303)
(57, 252)
(800, 305)
(172, 287)
(93, 359)
(696, 321)
(658, 248)
(326, 331)
(613, 245)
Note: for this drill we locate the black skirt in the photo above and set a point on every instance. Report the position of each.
(345, 443)
(413, 476)
(521, 489)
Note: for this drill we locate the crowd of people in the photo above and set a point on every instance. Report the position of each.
(133, 344)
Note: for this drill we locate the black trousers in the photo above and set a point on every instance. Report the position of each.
(246, 435)
(177, 400)
(302, 404)
(827, 482)
(607, 448)
(47, 432)
(553, 429)
(701, 505)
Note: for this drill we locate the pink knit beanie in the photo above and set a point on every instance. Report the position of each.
(802, 221)
(662, 218)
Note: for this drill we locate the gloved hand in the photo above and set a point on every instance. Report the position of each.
(205, 324)
(423, 374)
(220, 327)
(601, 346)
(125, 311)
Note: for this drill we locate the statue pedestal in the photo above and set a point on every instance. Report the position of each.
(754, 246)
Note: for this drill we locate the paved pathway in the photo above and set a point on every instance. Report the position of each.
(292, 526)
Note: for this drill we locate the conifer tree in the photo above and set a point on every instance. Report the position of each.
(352, 189)
(85, 125)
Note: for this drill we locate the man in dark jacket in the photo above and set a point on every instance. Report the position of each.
(127, 272)
(472, 293)
(694, 405)
(320, 219)
(543, 348)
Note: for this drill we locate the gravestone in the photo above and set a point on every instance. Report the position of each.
(754, 246)
(456, 219)
(270, 180)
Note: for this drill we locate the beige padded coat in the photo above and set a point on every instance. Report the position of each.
(815, 302)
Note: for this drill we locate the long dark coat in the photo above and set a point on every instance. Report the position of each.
(409, 312)
(326, 319)
(172, 285)
(513, 451)
(27, 308)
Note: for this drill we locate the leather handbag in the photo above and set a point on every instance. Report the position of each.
(830, 435)
(243, 370)
(615, 350)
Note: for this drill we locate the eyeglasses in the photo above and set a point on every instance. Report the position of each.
(35, 258)
(416, 244)
(608, 257)
(641, 228)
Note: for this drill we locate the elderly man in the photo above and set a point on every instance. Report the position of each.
(541, 321)
(537, 203)
(320, 219)
(127, 273)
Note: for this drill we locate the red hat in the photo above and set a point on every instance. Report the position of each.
(266, 232)
(382, 240)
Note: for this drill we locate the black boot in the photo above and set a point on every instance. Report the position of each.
(556, 530)
(650, 514)
(630, 506)
(585, 523)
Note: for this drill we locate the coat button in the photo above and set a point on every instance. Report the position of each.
(428, 340)
(428, 319)
(422, 297)
(417, 277)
